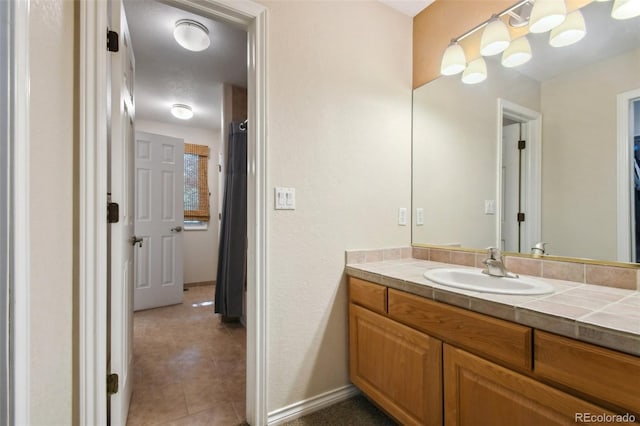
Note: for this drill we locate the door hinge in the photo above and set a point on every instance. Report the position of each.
(113, 212)
(522, 144)
(112, 384)
(219, 216)
(113, 42)
(520, 217)
(219, 168)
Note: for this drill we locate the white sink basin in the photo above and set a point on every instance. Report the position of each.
(475, 280)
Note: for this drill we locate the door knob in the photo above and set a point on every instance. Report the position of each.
(177, 229)
(136, 240)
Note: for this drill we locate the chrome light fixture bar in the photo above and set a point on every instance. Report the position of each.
(454, 59)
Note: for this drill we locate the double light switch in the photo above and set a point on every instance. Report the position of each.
(285, 198)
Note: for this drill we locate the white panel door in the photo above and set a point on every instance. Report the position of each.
(159, 220)
(121, 142)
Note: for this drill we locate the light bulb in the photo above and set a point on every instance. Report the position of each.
(625, 9)
(182, 111)
(495, 38)
(546, 14)
(518, 52)
(191, 35)
(475, 72)
(570, 31)
(453, 60)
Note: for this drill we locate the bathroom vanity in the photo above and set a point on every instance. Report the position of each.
(430, 355)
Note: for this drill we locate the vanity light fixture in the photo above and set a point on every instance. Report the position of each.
(191, 35)
(570, 31)
(546, 15)
(625, 9)
(182, 111)
(453, 61)
(495, 37)
(475, 72)
(518, 52)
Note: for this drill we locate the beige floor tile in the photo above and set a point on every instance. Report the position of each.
(189, 367)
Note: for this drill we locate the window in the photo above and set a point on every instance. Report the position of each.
(196, 189)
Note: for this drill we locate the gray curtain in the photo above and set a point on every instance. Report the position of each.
(230, 281)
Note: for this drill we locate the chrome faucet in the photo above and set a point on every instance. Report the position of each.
(539, 249)
(495, 265)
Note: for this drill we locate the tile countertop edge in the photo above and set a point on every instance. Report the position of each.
(611, 338)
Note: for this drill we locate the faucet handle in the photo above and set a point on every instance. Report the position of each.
(494, 253)
(540, 245)
(539, 249)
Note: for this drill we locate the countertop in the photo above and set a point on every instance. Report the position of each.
(605, 316)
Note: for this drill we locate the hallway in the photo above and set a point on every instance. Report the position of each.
(189, 367)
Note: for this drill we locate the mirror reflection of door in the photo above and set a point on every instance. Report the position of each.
(512, 183)
(635, 126)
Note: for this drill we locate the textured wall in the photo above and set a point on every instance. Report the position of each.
(454, 154)
(339, 132)
(200, 247)
(51, 25)
(579, 155)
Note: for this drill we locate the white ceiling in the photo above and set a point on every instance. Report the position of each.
(166, 73)
(408, 7)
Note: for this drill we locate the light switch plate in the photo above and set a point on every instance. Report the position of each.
(419, 216)
(285, 198)
(489, 206)
(402, 216)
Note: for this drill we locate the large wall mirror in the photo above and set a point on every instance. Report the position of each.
(576, 183)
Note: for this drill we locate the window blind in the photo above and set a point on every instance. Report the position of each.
(196, 189)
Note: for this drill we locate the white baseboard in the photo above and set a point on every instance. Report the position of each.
(308, 406)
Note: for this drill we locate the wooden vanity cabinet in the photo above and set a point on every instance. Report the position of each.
(479, 392)
(428, 363)
(602, 373)
(396, 366)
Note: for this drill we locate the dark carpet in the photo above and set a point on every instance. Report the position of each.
(356, 411)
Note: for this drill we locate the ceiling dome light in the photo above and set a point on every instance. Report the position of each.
(495, 37)
(475, 72)
(453, 61)
(570, 31)
(518, 52)
(191, 35)
(181, 111)
(625, 9)
(546, 14)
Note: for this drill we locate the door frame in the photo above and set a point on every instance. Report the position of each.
(92, 202)
(533, 164)
(625, 212)
(19, 280)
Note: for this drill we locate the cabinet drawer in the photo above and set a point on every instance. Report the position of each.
(490, 337)
(602, 373)
(479, 392)
(371, 296)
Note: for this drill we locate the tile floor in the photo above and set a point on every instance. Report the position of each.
(189, 367)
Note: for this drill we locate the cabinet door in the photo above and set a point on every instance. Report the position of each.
(478, 392)
(399, 368)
